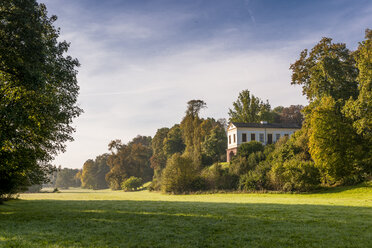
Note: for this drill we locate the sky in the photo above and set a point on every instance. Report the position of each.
(143, 60)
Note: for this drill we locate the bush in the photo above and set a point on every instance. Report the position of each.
(131, 184)
(217, 178)
(295, 175)
(245, 149)
(241, 165)
(256, 179)
(180, 175)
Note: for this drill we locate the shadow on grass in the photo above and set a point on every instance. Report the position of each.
(341, 189)
(45, 223)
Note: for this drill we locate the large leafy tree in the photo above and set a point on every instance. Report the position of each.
(360, 109)
(214, 143)
(158, 158)
(327, 70)
(332, 78)
(191, 130)
(291, 114)
(334, 146)
(132, 159)
(38, 93)
(250, 109)
(173, 142)
(94, 173)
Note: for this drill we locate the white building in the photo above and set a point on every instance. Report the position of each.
(266, 133)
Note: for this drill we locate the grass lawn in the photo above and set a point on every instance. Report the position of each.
(340, 217)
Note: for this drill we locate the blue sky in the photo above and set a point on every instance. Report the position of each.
(142, 60)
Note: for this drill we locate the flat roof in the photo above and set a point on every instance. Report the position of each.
(267, 125)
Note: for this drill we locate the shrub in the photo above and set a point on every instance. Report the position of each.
(216, 177)
(131, 184)
(256, 179)
(241, 165)
(295, 175)
(246, 149)
(180, 175)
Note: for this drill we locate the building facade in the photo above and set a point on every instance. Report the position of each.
(266, 133)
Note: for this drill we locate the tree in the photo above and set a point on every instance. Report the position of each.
(328, 70)
(179, 175)
(158, 158)
(215, 144)
(129, 160)
(360, 109)
(338, 108)
(66, 178)
(191, 130)
(334, 146)
(250, 109)
(291, 114)
(94, 173)
(173, 142)
(38, 93)
(88, 174)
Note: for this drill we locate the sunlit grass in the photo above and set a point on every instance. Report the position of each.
(338, 217)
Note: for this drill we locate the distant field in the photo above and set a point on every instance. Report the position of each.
(340, 217)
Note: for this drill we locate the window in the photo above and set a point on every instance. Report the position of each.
(261, 137)
(253, 136)
(234, 138)
(244, 137)
(229, 139)
(277, 136)
(269, 138)
(286, 135)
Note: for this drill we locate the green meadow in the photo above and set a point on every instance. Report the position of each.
(338, 217)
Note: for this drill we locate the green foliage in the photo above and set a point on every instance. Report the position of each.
(217, 177)
(327, 70)
(249, 156)
(246, 149)
(94, 173)
(191, 131)
(215, 144)
(132, 184)
(173, 142)
(360, 109)
(129, 160)
(291, 114)
(157, 143)
(38, 94)
(250, 109)
(66, 178)
(334, 146)
(158, 159)
(180, 175)
(256, 179)
(295, 175)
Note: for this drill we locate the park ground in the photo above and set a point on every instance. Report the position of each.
(338, 217)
